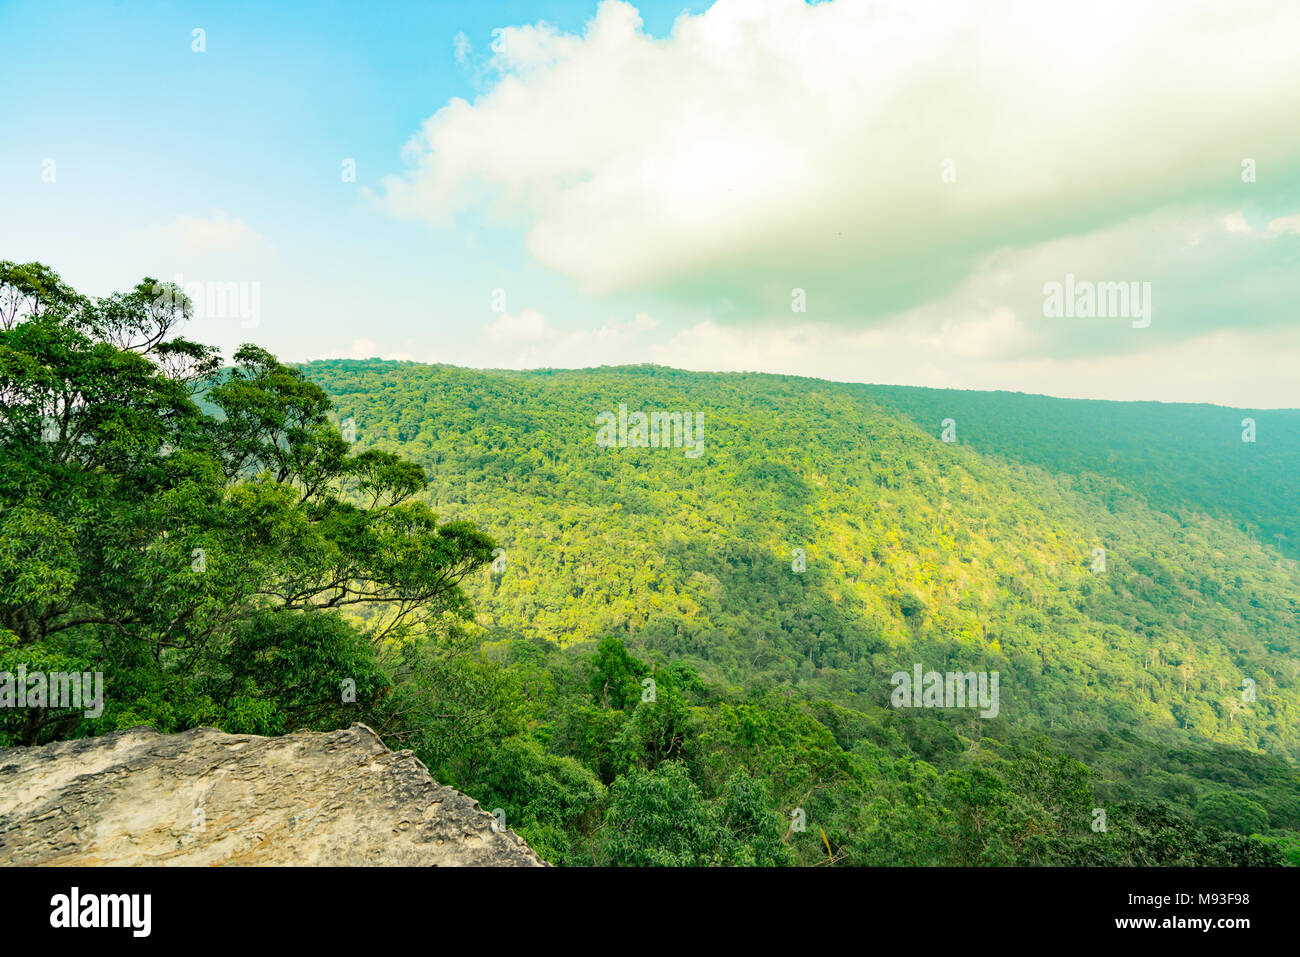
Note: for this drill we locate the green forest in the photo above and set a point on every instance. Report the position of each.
(639, 656)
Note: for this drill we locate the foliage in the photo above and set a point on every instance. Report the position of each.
(190, 532)
(651, 679)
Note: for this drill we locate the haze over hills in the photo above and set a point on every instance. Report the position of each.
(976, 554)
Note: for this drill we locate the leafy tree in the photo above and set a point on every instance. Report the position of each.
(616, 675)
(660, 818)
(748, 812)
(545, 797)
(192, 532)
(1232, 812)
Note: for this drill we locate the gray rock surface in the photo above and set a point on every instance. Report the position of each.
(205, 797)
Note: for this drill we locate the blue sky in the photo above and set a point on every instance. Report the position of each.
(144, 130)
(567, 183)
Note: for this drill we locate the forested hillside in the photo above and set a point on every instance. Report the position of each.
(917, 550)
(975, 554)
(1184, 459)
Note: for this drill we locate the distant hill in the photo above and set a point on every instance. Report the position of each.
(1183, 458)
(977, 554)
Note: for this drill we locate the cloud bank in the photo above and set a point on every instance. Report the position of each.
(869, 152)
(921, 167)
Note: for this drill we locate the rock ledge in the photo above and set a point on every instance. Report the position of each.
(205, 797)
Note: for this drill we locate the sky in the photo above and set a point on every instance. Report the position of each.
(1097, 200)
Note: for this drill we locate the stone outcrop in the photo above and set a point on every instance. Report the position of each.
(204, 797)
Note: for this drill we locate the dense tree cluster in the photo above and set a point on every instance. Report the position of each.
(971, 555)
(190, 532)
(1101, 605)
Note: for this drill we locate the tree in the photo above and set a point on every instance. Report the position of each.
(660, 818)
(1232, 812)
(184, 529)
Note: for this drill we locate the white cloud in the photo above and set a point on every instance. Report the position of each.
(1249, 369)
(528, 326)
(1197, 271)
(1282, 226)
(1237, 367)
(529, 341)
(364, 348)
(1236, 223)
(767, 144)
(217, 233)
